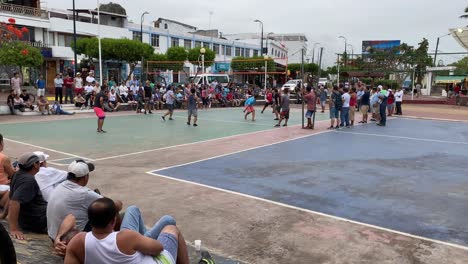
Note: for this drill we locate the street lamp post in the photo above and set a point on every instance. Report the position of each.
(266, 68)
(99, 41)
(141, 40)
(437, 48)
(261, 37)
(141, 25)
(202, 52)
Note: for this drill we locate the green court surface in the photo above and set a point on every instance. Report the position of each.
(139, 133)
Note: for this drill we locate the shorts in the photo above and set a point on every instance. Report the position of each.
(364, 109)
(309, 114)
(334, 113)
(170, 245)
(268, 103)
(352, 112)
(376, 109)
(170, 107)
(99, 113)
(205, 101)
(193, 112)
(79, 90)
(323, 102)
(285, 114)
(41, 92)
(250, 109)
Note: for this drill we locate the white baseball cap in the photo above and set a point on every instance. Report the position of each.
(41, 155)
(380, 86)
(79, 168)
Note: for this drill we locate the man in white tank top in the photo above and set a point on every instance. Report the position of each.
(104, 246)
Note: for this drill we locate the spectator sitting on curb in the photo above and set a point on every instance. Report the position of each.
(129, 245)
(18, 103)
(57, 110)
(6, 172)
(48, 178)
(80, 101)
(27, 208)
(72, 197)
(43, 105)
(27, 100)
(11, 101)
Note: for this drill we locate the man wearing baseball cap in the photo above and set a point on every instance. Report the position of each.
(48, 178)
(72, 197)
(27, 208)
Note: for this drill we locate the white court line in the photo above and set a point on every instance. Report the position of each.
(314, 212)
(433, 118)
(247, 122)
(244, 150)
(48, 149)
(205, 141)
(408, 138)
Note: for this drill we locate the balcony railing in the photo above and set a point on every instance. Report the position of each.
(37, 44)
(23, 10)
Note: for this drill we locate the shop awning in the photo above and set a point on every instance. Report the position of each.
(449, 79)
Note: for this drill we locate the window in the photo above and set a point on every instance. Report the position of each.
(198, 44)
(136, 35)
(206, 45)
(238, 51)
(155, 40)
(216, 48)
(49, 38)
(228, 50)
(247, 52)
(255, 53)
(174, 42)
(165, 26)
(187, 44)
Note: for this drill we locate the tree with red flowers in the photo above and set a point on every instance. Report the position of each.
(13, 51)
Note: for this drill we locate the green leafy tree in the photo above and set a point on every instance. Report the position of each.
(113, 8)
(255, 64)
(15, 52)
(194, 56)
(462, 66)
(20, 54)
(122, 50)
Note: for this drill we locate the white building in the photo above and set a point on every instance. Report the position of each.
(52, 31)
(278, 45)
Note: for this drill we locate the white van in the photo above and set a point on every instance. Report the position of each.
(222, 79)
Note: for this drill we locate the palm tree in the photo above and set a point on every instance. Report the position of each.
(466, 13)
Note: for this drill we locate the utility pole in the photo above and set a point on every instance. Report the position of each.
(74, 38)
(301, 91)
(320, 65)
(338, 66)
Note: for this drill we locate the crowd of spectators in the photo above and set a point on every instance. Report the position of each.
(81, 222)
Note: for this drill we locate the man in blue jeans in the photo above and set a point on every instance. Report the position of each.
(103, 245)
(132, 220)
(345, 110)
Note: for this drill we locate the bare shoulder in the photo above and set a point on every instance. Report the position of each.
(77, 240)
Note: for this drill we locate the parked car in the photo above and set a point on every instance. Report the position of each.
(323, 81)
(292, 85)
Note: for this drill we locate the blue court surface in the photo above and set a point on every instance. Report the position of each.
(411, 176)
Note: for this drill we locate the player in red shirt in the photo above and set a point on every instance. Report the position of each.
(268, 99)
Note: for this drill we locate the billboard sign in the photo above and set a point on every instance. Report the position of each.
(379, 45)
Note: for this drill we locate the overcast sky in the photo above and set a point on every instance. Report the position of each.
(322, 21)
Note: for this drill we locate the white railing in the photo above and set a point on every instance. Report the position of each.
(22, 10)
